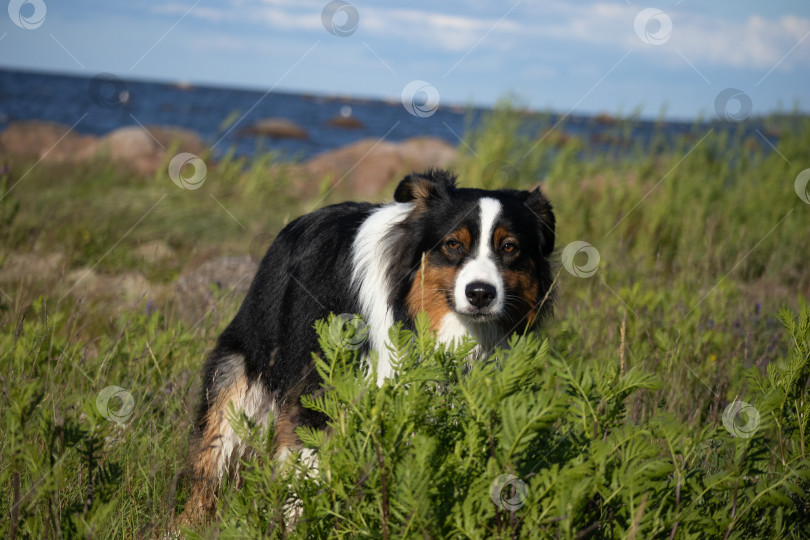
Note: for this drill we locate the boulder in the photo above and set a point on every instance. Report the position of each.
(422, 152)
(604, 119)
(133, 147)
(279, 128)
(346, 122)
(184, 140)
(113, 291)
(48, 141)
(31, 267)
(366, 167)
(198, 291)
(557, 138)
(46, 274)
(144, 149)
(141, 148)
(154, 251)
(362, 168)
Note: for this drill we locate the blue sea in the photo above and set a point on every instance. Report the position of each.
(100, 104)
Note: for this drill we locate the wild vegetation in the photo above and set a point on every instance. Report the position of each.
(668, 397)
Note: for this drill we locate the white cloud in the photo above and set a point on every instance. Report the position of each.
(452, 33)
(756, 42)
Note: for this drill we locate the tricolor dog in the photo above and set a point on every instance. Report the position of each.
(475, 260)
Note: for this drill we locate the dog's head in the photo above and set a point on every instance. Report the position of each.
(481, 255)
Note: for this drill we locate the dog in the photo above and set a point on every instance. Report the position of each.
(476, 261)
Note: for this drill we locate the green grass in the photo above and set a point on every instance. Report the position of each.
(701, 244)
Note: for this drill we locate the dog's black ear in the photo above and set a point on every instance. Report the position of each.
(544, 215)
(419, 187)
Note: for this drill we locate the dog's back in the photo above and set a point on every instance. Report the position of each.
(262, 361)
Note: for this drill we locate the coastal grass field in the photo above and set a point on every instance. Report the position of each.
(608, 423)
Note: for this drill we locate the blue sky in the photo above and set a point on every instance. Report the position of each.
(584, 57)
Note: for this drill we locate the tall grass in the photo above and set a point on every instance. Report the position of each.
(701, 242)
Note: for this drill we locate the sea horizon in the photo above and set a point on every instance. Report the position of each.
(222, 115)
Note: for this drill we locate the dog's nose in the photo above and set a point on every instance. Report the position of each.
(480, 294)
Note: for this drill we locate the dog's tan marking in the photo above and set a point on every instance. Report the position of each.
(460, 235)
(522, 288)
(212, 455)
(523, 310)
(498, 237)
(216, 452)
(429, 292)
(287, 440)
(432, 284)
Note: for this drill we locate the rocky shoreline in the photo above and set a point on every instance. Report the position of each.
(362, 170)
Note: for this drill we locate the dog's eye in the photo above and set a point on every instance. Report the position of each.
(453, 244)
(509, 247)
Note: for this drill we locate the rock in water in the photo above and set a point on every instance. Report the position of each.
(279, 128)
(346, 122)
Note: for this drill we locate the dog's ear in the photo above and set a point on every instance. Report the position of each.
(419, 187)
(544, 215)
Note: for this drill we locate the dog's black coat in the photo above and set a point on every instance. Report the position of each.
(303, 277)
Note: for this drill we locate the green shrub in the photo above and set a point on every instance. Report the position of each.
(529, 445)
